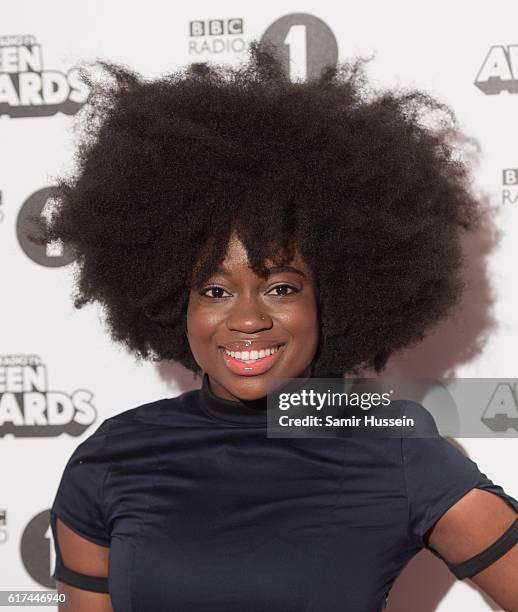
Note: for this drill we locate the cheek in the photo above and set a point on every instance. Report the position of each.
(198, 333)
(202, 323)
(302, 321)
(197, 321)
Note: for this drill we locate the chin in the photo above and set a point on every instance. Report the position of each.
(249, 387)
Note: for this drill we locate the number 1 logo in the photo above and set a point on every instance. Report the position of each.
(305, 44)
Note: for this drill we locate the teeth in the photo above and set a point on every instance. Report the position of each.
(252, 355)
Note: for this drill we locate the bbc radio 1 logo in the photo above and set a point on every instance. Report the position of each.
(510, 186)
(40, 204)
(216, 36)
(37, 550)
(27, 89)
(304, 43)
(28, 408)
(499, 70)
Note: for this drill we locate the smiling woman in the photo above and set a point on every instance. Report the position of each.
(251, 228)
(277, 314)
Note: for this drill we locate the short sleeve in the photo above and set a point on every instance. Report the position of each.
(79, 499)
(437, 475)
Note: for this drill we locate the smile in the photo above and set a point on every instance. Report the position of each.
(253, 355)
(247, 363)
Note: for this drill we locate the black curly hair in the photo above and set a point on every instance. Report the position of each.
(368, 185)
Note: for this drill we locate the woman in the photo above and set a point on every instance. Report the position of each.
(220, 211)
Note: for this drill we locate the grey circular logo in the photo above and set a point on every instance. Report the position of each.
(37, 549)
(51, 255)
(305, 44)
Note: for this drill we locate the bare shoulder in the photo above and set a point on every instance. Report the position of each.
(81, 555)
(469, 527)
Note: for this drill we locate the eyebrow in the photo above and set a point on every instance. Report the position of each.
(272, 270)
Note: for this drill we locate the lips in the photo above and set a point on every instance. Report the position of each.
(253, 367)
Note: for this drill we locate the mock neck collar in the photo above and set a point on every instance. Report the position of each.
(251, 413)
(242, 412)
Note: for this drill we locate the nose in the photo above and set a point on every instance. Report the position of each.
(247, 316)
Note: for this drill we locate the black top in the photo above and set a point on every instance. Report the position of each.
(203, 512)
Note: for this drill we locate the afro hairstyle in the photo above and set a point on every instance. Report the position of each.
(368, 184)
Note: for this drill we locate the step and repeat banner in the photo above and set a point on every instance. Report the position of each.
(61, 376)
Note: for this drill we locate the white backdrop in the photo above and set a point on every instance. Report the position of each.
(466, 53)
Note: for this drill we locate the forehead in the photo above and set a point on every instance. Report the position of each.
(237, 258)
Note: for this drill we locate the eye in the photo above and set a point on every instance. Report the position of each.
(219, 290)
(293, 290)
(207, 289)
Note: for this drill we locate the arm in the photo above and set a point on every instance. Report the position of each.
(82, 556)
(469, 527)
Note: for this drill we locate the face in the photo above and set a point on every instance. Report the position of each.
(249, 316)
